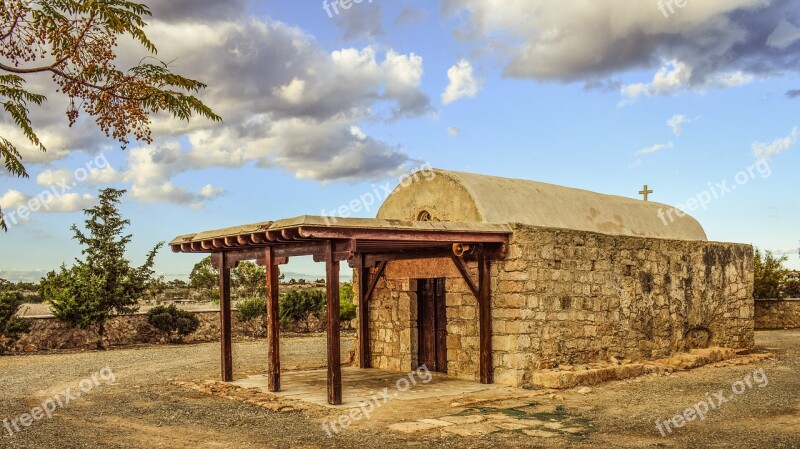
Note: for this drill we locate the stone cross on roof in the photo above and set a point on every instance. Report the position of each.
(645, 192)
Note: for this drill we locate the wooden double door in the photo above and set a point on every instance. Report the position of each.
(432, 324)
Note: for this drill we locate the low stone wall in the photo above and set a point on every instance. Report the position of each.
(778, 314)
(49, 333)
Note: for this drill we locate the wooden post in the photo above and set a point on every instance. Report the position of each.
(485, 317)
(273, 326)
(364, 352)
(225, 316)
(334, 355)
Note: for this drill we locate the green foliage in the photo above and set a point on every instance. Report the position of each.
(173, 322)
(792, 289)
(251, 308)
(347, 310)
(104, 284)
(299, 306)
(156, 288)
(249, 279)
(11, 326)
(205, 278)
(769, 275)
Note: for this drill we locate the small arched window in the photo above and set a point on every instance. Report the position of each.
(424, 216)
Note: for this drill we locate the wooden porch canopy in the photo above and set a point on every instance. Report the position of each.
(367, 245)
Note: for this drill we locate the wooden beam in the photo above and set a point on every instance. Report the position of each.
(374, 282)
(273, 326)
(364, 353)
(467, 278)
(417, 235)
(225, 317)
(334, 348)
(485, 317)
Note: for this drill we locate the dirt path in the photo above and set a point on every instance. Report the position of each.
(146, 408)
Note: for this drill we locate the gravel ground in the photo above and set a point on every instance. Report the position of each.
(145, 409)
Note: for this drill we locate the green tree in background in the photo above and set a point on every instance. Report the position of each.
(104, 284)
(205, 278)
(74, 43)
(249, 280)
(769, 275)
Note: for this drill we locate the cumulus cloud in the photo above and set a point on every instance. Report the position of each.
(708, 44)
(65, 177)
(765, 151)
(676, 123)
(794, 93)
(12, 199)
(462, 83)
(655, 148)
(453, 131)
(286, 101)
(17, 206)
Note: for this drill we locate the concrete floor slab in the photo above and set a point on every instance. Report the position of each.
(362, 385)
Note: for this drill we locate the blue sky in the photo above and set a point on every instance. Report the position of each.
(319, 109)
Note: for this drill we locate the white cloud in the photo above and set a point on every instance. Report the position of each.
(462, 83)
(45, 202)
(676, 123)
(58, 177)
(655, 148)
(765, 151)
(453, 131)
(69, 202)
(12, 199)
(706, 44)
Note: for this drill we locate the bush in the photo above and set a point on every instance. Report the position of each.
(769, 275)
(11, 326)
(301, 306)
(347, 310)
(173, 322)
(792, 289)
(251, 308)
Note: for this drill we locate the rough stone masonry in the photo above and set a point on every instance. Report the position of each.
(565, 295)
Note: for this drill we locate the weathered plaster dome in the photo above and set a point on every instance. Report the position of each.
(466, 197)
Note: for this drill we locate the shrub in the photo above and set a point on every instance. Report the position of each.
(11, 326)
(769, 275)
(792, 289)
(300, 306)
(251, 308)
(173, 322)
(347, 310)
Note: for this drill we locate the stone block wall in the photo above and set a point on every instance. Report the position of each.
(572, 297)
(49, 333)
(778, 314)
(393, 318)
